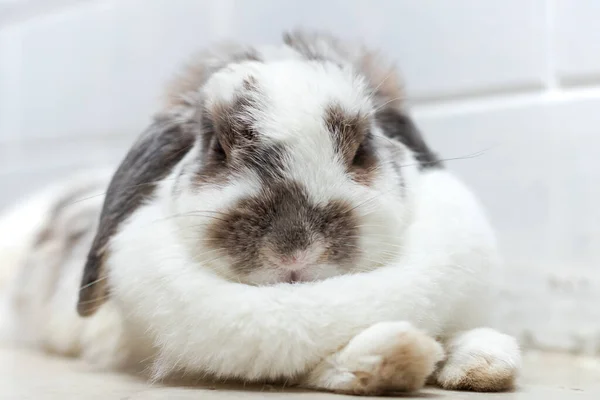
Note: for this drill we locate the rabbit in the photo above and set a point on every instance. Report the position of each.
(44, 241)
(282, 219)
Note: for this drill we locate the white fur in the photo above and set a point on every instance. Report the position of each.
(480, 358)
(292, 112)
(40, 293)
(386, 355)
(207, 325)
(204, 324)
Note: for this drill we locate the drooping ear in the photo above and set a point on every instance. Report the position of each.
(150, 159)
(398, 125)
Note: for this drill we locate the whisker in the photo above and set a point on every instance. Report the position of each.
(369, 200)
(125, 188)
(386, 103)
(209, 252)
(392, 72)
(92, 283)
(94, 300)
(183, 215)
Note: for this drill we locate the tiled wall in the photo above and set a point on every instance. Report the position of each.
(515, 81)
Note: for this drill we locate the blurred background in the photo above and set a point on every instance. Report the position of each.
(510, 88)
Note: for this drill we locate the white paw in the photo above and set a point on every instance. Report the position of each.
(387, 357)
(481, 360)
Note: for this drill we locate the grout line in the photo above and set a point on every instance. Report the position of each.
(478, 93)
(552, 83)
(581, 81)
(506, 100)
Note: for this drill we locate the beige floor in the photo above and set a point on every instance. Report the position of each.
(31, 376)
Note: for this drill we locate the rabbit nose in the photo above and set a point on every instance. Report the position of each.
(297, 259)
(294, 261)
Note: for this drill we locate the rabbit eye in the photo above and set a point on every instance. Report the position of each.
(218, 150)
(363, 156)
(214, 145)
(362, 169)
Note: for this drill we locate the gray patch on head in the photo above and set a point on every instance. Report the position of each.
(348, 130)
(353, 142)
(231, 143)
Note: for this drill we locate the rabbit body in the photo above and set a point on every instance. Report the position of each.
(283, 219)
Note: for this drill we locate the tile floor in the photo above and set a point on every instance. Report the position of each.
(25, 375)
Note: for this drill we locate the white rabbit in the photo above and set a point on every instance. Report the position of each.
(283, 219)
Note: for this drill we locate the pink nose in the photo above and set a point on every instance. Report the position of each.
(293, 262)
(293, 259)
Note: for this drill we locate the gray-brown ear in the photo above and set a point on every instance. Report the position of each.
(201, 67)
(398, 125)
(381, 75)
(150, 159)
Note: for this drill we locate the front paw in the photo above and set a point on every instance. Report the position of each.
(481, 360)
(387, 357)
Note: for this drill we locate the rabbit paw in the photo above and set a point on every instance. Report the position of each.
(387, 357)
(481, 360)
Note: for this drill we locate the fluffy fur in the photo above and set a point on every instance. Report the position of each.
(410, 305)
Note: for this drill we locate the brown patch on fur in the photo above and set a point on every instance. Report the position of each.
(47, 232)
(404, 367)
(150, 159)
(202, 67)
(483, 378)
(283, 219)
(234, 122)
(67, 224)
(228, 135)
(231, 144)
(348, 130)
(212, 159)
(353, 142)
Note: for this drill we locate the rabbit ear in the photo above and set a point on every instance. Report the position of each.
(150, 159)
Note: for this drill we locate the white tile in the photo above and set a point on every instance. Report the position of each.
(468, 46)
(68, 63)
(26, 166)
(101, 68)
(22, 184)
(538, 177)
(577, 41)
(10, 79)
(12, 11)
(155, 39)
(68, 152)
